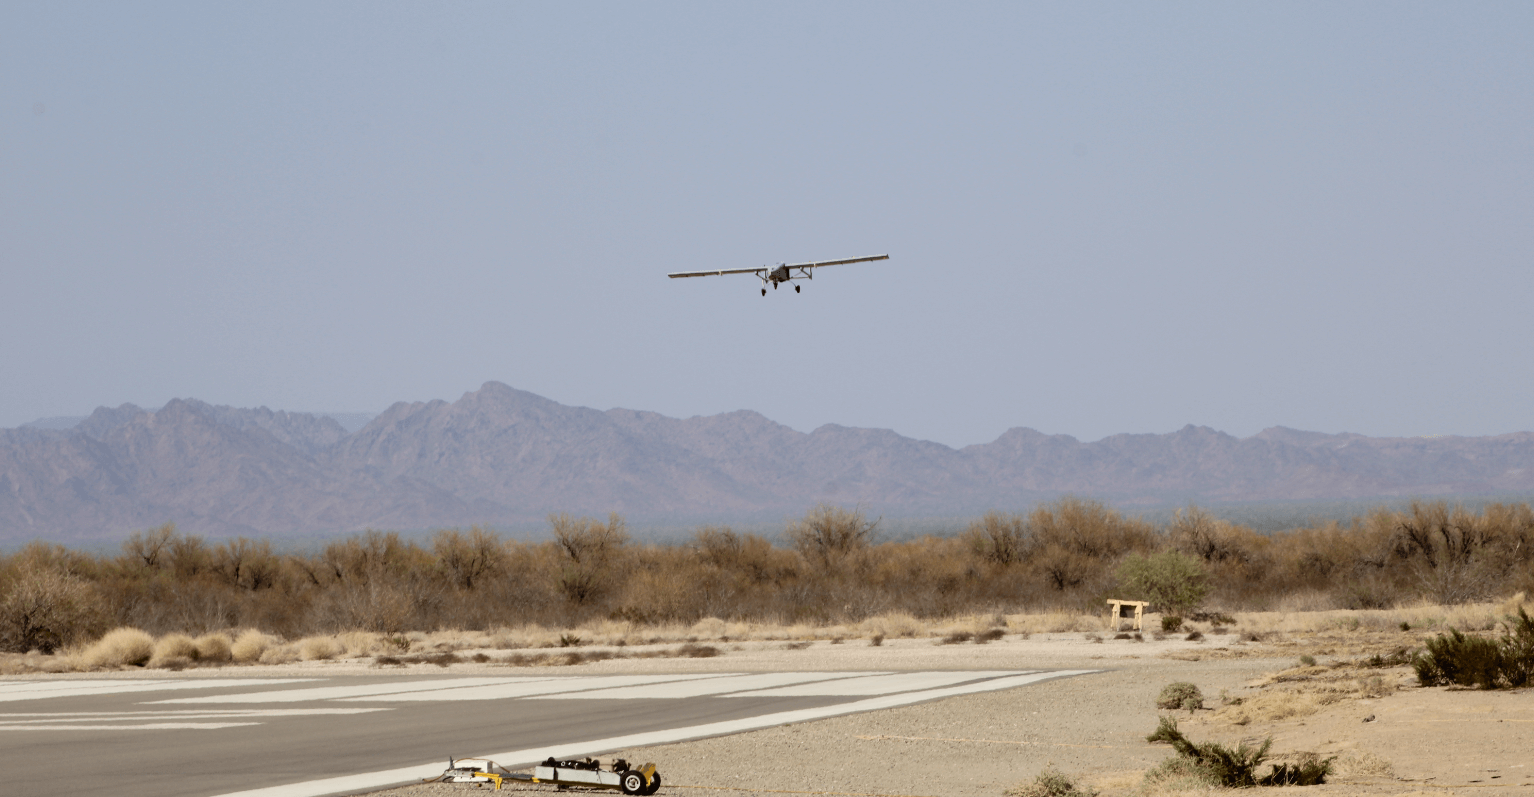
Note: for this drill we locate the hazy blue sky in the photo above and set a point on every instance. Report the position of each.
(1101, 217)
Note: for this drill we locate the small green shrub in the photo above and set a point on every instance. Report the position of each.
(1454, 658)
(1180, 695)
(1051, 783)
(1310, 770)
(1237, 768)
(1171, 623)
(1307, 660)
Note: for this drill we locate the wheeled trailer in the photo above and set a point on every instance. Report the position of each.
(578, 773)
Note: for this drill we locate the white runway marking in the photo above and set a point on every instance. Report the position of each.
(712, 686)
(151, 726)
(551, 686)
(347, 784)
(157, 720)
(877, 684)
(338, 692)
(48, 689)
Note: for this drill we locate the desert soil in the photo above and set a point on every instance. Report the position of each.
(1390, 737)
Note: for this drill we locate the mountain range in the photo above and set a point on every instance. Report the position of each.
(504, 457)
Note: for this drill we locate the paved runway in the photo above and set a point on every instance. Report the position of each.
(308, 737)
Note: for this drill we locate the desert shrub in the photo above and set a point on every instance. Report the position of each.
(1171, 623)
(214, 649)
(120, 647)
(998, 538)
(695, 651)
(827, 535)
(1307, 660)
(173, 650)
(1456, 658)
(1309, 770)
(249, 646)
(956, 637)
(320, 648)
(280, 654)
(989, 635)
(1172, 581)
(1051, 783)
(465, 558)
(45, 609)
(1237, 768)
(1194, 636)
(876, 640)
(1180, 695)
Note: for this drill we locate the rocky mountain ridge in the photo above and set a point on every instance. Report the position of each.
(501, 456)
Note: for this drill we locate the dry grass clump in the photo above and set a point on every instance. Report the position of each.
(250, 645)
(214, 649)
(280, 654)
(173, 652)
(320, 648)
(1362, 762)
(1270, 707)
(120, 647)
(891, 625)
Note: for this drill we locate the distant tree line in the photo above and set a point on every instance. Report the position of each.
(1069, 555)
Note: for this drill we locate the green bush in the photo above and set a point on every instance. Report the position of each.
(1455, 658)
(1173, 582)
(1180, 695)
(1237, 768)
(1171, 623)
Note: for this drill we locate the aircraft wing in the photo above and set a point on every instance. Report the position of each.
(820, 263)
(717, 272)
(816, 264)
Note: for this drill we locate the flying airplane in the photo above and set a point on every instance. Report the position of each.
(783, 272)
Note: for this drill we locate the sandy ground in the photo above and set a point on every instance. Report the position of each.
(1415, 740)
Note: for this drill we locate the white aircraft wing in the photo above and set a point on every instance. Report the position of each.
(717, 272)
(820, 263)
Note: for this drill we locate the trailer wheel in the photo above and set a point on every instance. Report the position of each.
(654, 784)
(632, 782)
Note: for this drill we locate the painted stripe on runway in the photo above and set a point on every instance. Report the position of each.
(552, 686)
(95, 716)
(9, 687)
(125, 687)
(878, 684)
(347, 784)
(712, 686)
(359, 690)
(153, 726)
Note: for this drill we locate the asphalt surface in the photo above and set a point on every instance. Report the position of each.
(185, 737)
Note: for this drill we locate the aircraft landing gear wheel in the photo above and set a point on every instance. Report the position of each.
(796, 289)
(632, 782)
(764, 291)
(654, 784)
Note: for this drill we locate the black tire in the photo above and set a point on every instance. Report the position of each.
(632, 781)
(654, 784)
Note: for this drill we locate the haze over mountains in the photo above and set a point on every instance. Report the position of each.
(505, 457)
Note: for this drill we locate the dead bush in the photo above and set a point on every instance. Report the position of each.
(214, 649)
(250, 645)
(45, 609)
(120, 647)
(178, 649)
(827, 535)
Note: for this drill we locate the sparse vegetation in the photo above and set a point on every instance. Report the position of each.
(1181, 695)
(1235, 768)
(1051, 783)
(1467, 660)
(1055, 563)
